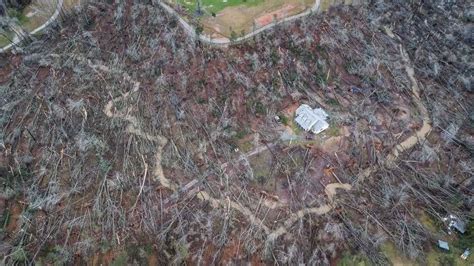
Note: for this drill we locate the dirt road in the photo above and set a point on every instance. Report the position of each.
(408, 143)
(330, 189)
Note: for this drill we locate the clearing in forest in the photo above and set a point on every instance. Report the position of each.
(233, 18)
(236, 18)
(33, 16)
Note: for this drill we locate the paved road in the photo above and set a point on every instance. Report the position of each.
(55, 16)
(191, 31)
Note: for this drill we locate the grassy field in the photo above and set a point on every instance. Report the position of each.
(348, 259)
(227, 18)
(214, 6)
(22, 19)
(37, 13)
(433, 256)
(224, 18)
(4, 41)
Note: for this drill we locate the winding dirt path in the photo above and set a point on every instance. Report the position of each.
(421, 134)
(294, 217)
(133, 128)
(330, 189)
(403, 146)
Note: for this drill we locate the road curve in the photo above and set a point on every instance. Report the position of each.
(188, 28)
(55, 16)
(191, 31)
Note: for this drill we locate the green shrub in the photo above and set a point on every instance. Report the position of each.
(283, 119)
(241, 134)
(19, 255)
(332, 101)
(260, 108)
(18, 15)
(199, 29)
(120, 260)
(233, 36)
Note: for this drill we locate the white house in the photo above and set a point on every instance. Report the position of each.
(313, 120)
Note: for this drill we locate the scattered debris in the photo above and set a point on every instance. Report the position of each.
(269, 196)
(456, 223)
(466, 254)
(313, 120)
(443, 244)
(354, 89)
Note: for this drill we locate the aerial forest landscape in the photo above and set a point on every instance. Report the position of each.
(236, 132)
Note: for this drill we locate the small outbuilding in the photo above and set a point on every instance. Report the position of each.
(313, 120)
(456, 223)
(443, 244)
(460, 226)
(466, 254)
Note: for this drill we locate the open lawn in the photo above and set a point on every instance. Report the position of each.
(210, 7)
(37, 13)
(4, 40)
(235, 18)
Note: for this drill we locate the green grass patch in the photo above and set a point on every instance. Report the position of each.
(18, 256)
(57, 255)
(333, 130)
(445, 258)
(246, 146)
(22, 18)
(241, 134)
(394, 255)
(283, 119)
(262, 169)
(349, 259)
(5, 219)
(427, 221)
(435, 256)
(260, 108)
(333, 102)
(214, 6)
(295, 127)
(467, 239)
(201, 101)
(4, 41)
(120, 260)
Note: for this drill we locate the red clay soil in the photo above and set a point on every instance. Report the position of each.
(278, 14)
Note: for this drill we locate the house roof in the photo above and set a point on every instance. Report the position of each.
(459, 225)
(311, 119)
(443, 244)
(456, 223)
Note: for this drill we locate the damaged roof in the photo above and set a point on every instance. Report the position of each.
(313, 120)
